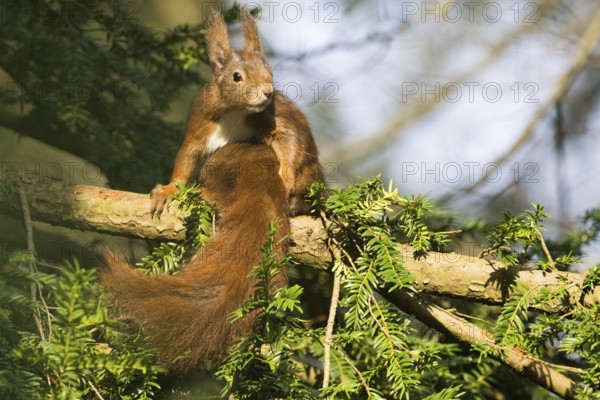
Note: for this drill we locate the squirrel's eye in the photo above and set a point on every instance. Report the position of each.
(237, 77)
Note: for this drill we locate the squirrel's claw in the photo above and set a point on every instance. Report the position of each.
(160, 197)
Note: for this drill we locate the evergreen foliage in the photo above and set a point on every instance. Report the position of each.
(168, 257)
(517, 240)
(377, 352)
(89, 78)
(75, 349)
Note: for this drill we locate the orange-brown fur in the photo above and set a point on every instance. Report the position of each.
(246, 111)
(184, 317)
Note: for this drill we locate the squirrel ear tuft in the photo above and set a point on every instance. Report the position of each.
(250, 31)
(217, 41)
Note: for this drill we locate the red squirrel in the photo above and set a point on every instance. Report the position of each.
(240, 105)
(184, 316)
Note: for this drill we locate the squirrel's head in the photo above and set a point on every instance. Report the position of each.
(244, 79)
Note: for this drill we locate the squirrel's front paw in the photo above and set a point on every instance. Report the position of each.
(160, 196)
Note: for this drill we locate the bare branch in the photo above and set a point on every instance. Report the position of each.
(91, 208)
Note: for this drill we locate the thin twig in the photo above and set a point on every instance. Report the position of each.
(48, 265)
(31, 257)
(34, 289)
(467, 316)
(383, 328)
(335, 295)
(47, 312)
(454, 232)
(575, 370)
(546, 251)
(351, 364)
(95, 390)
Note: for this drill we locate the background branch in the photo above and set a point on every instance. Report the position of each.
(581, 55)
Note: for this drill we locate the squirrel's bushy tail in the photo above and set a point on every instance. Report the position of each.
(184, 316)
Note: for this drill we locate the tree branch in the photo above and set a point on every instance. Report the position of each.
(89, 208)
(444, 321)
(127, 214)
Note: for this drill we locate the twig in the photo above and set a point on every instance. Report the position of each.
(467, 316)
(31, 258)
(537, 360)
(335, 295)
(48, 265)
(47, 312)
(546, 251)
(454, 232)
(95, 390)
(358, 373)
(383, 328)
(34, 289)
(560, 366)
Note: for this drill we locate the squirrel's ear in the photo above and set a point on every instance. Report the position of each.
(250, 31)
(217, 41)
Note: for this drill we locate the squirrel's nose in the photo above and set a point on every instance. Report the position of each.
(268, 90)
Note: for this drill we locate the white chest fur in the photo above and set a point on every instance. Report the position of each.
(230, 129)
